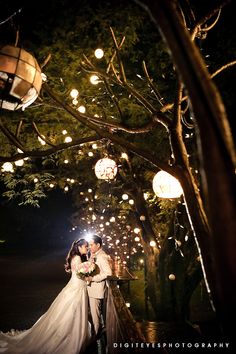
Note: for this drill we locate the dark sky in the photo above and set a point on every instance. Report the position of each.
(47, 227)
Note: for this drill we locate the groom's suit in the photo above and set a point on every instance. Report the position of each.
(97, 287)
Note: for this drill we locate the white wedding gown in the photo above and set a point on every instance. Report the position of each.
(63, 329)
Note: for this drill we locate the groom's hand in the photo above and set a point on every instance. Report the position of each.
(88, 279)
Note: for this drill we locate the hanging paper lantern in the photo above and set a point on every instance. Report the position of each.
(166, 186)
(20, 78)
(105, 169)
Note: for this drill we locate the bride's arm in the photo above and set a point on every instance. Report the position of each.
(75, 263)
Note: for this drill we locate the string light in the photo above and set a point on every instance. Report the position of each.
(74, 93)
(81, 109)
(42, 142)
(94, 79)
(19, 162)
(67, 139)
(7, 167)
(99, 53)
(171, 277)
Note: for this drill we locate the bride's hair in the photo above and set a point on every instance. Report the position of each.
(74, 251)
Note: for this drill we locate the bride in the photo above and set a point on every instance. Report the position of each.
(64, 328)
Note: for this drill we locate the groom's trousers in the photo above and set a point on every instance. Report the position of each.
(96, 309)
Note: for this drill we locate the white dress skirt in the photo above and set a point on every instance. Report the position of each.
(63, 329)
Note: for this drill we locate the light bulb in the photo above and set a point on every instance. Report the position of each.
(81, 109)
(74, 93)
(98, 53)
(94, 79)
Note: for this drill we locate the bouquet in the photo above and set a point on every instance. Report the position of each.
(86, 269)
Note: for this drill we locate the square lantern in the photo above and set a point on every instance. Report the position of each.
(20, 78)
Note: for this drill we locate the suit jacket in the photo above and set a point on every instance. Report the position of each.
(96, 289)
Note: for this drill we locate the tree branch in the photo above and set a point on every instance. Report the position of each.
(11, 137)
(47, 152)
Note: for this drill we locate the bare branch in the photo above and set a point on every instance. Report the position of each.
(113, 97)
(197, 27)
(226, 66)
(150, 81)
(17, 38)
(114, 55)
(40, 135)
(11, 137)
(51, 151)
(122, 71)
(18, 129)
(146, 155)
(206, 29)
(177, 108)
(46, 61)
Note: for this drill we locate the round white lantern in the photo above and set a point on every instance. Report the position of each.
(166, 186)
(171, 276)
(106, 169)
(20, 78)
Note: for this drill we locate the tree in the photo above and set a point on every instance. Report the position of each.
(129, 110)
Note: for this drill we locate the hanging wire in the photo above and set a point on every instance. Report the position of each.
(10, 17)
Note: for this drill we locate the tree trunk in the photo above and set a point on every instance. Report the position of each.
(217, 155)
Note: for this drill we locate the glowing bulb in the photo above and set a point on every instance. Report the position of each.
(99, 53)
(166, 186)
(75, 101)
(74, 93)
(7, 167)
(19, 162)
(125, 197)
(64, 132)
(81, 109)
(42, 142)
(94, 79)
(124, 156)
(68, 139)
(152, 243)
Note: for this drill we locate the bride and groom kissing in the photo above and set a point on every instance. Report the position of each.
(66, 327)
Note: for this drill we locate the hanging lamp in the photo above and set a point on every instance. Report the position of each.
(20, 78)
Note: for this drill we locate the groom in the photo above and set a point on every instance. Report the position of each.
(97, 286)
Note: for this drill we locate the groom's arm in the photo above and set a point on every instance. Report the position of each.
(105, 269)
